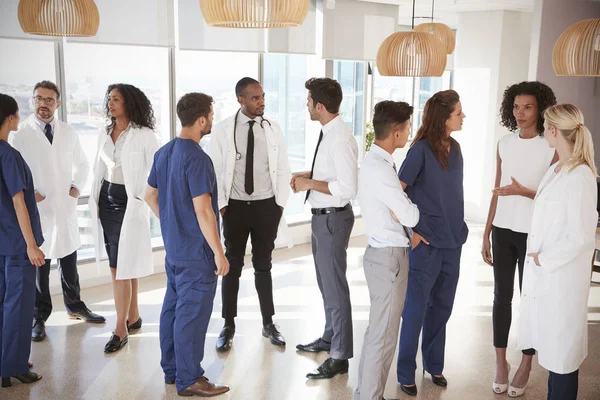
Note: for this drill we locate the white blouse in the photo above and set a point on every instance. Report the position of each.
(111, 156)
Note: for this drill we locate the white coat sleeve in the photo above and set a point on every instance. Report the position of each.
(284, 172)
(579, 233)
(215, 152)
(81, 165)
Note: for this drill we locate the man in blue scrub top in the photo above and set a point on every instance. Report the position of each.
(20, 236)
(182, 192)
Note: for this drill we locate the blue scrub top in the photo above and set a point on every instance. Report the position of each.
(182, 171)
(15, 176)
(438, 194)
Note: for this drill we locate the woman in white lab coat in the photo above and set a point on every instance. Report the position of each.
(125, 155)
(560, 247)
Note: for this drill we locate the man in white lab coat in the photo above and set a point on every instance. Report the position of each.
(252, 168)
(60, 169)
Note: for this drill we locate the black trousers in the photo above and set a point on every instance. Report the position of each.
(259, 220)
(508, 249)
(563, 386)
(69, 279)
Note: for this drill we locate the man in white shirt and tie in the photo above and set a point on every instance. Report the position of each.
(330, 186)
(60, 169)
(387, 214)
(252, 168)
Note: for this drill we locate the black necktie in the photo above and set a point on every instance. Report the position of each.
(312, 168)
(48, 132)
(249, 183)
(407, 230)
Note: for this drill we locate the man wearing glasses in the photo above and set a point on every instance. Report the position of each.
(52, 150)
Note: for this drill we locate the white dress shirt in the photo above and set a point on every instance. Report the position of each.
(337, 164)
(111, 156)
(380, 192)
(263, 189)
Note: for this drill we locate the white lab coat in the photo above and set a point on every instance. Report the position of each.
(555, 296)
(135, 249)
(55, 168)
(221, 150)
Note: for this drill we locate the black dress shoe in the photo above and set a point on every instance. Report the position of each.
(225, 338)
(329, 369)
(115, 343)
(87, 316)
(439, 380)
(270, 331)
(315, 346)
(28, 377)
(135, 326)
(38, 331)
(409, 390)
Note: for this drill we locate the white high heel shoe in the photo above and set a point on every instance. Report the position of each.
(500, 388)
(516, 392)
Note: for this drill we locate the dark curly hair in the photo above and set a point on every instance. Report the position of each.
(137, 106)
(543, 94)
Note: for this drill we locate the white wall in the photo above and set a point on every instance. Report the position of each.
(491, 54)
(584, 92)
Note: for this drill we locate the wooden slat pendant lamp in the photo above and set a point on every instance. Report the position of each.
(439, 30)
(254, 13)
(59, 17)
(577, 50)
(411, 54)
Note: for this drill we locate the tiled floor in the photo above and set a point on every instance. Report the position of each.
(75, 367)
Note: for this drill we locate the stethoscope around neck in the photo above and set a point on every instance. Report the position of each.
(238, 156)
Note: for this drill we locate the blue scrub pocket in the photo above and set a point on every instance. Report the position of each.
(18, 261)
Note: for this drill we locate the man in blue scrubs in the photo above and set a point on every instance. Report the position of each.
(182, 192)
(20, 236)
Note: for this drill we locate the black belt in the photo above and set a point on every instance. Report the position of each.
(330, 210)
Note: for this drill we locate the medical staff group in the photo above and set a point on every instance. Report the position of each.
(541, 223)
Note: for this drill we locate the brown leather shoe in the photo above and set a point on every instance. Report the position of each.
(203, 388)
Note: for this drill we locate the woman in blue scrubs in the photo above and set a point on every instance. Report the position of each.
(432, 175)
(20, 236)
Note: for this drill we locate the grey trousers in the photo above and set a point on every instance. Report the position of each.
(386, 270)
(330, 236)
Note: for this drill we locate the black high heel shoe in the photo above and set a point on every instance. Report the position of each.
(115, 343)
(135, 326)
(28, 377)
(438, 380)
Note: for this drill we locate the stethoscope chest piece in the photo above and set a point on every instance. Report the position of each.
(238, 156)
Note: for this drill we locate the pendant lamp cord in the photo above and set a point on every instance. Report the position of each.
(432, 7)
(413, 16)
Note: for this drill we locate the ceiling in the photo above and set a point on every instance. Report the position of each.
(447, 10)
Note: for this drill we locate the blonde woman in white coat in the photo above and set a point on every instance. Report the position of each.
(125, 156)
(561, 243)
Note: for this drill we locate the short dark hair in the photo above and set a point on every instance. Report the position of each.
(8, 107)
(193, 106)
(389, 114)
(243, 84)
(544, 95)
(48, 85)
(327, 92)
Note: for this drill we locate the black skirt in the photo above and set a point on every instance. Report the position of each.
(111, 211)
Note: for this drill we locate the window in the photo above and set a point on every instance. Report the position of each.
(89, 70)
(351, 76)
(283, 83)
(414, 91)
(30, 62)
(216, 74)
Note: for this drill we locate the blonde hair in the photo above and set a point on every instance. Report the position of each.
(568, 120)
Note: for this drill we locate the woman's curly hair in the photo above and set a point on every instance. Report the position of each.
(544, 95)
(137, 106)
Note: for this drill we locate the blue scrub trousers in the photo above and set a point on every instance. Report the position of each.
(188, 304)
(17, 299)
(432, 281)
